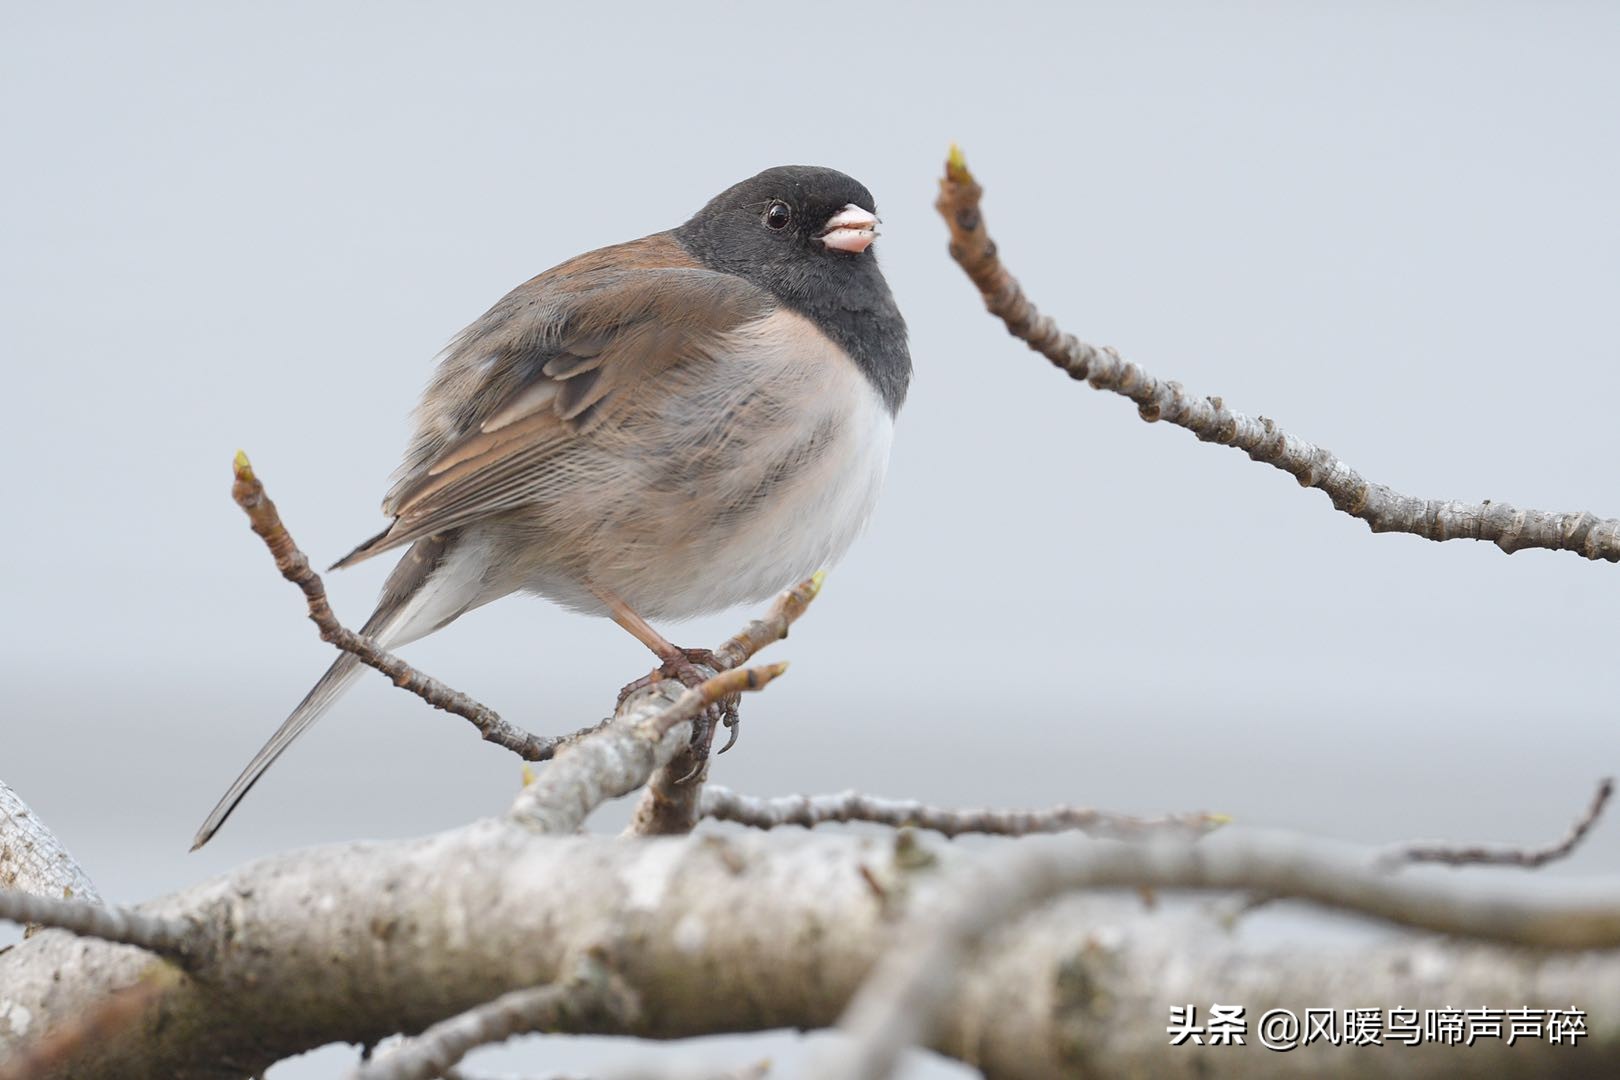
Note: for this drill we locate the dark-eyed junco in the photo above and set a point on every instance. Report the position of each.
(654, 430)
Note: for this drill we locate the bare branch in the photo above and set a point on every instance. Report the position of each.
(756, 1071)
(773, 626)
(111, 1017)
(32, 859)
(1226, 912)
(649, 731)
(559, 1006)
(808, 811)
(1493, 855)
(166, 936)
(714, 689)
(294, 566)
(897, 1005)
(669, 806)
(748, 932)
(1382, 508)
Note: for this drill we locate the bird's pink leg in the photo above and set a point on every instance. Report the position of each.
(678, 663)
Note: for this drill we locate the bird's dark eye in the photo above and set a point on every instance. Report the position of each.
(777, 215)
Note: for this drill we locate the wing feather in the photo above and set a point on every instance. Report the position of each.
(538, 374)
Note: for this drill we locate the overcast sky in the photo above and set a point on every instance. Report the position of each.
(1392, 227)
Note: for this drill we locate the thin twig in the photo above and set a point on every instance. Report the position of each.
(809, 811)
(1495, 855)
(1382, 508)
(1228, 911)
(773, 626)
(165, 935)
(593, 991)
(295, 567)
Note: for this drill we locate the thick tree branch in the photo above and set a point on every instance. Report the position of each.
(1382, 508)
(757, 1071)
(112, 1017)
(751, 932)
(912, 984)
(808, 811)
(294, 566)
(32, 859)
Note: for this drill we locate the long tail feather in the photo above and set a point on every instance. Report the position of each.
(315, 703)
(422, 594)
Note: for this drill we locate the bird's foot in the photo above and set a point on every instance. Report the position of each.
(692, 667)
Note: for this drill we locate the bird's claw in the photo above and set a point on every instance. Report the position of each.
(721, 712)
(692, 668)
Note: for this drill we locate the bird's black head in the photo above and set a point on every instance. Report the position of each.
(783, 218)
(804, 234)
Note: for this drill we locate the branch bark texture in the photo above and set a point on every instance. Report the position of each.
(32, 859)
(749, 932)
(808, 811)
(911, 986)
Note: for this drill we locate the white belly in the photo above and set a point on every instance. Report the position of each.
(739, 478)
(807, 525)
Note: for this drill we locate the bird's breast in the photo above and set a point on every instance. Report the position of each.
(740, 475)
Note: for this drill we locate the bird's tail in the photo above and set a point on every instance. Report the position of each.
(425, 591)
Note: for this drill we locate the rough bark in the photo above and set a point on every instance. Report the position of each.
(736, 933)
(32, 859)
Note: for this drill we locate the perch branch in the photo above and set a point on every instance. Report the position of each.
(669, 806)
(1381, 507)
(646, 735)
(808, 811)
(1529, 858)
(294, 565)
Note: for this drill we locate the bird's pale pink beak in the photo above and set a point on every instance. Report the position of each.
(851, 229)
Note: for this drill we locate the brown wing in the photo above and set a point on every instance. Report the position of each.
(555, 361)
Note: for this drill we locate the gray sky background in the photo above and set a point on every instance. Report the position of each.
(1392, 227)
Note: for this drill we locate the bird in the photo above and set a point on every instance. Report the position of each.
(649, 431)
